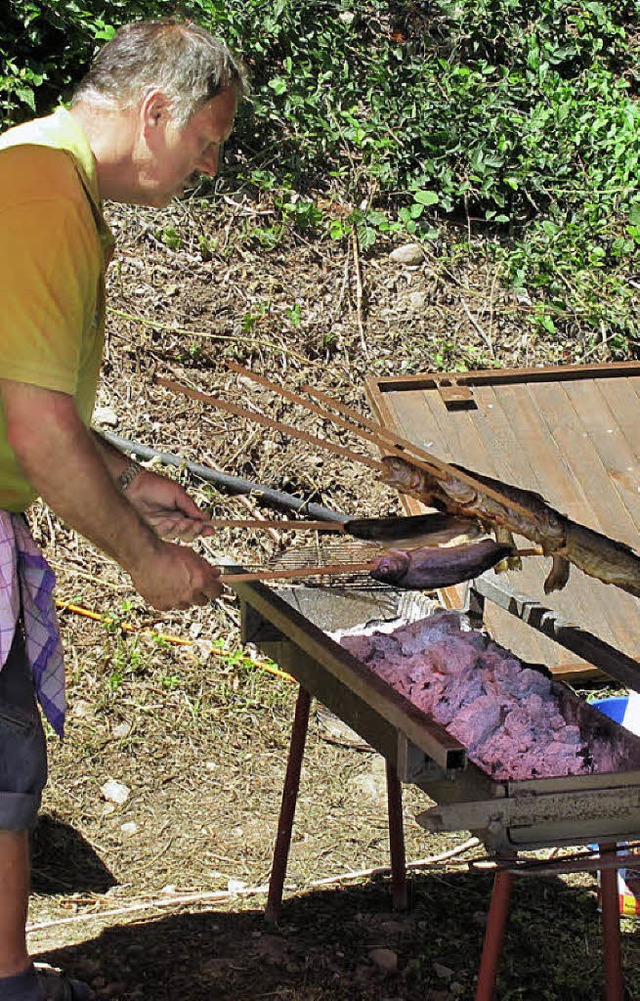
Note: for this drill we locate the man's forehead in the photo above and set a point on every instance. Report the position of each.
(220, 111)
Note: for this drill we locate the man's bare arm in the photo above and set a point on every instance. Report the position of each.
(161, 502)
(64, 464)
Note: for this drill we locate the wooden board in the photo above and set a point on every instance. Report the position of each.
(573, 434)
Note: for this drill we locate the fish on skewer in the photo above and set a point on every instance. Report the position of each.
(418, 569)
(413, 531)
(399, 532)
(566, 541)
(427, 569)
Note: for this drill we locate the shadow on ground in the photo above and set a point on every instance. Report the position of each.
(62, 861)
(321, 949)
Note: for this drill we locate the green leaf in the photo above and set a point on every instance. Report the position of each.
(425, 197)
(634, 213)
(278, 85)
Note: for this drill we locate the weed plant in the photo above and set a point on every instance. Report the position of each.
(520, 120)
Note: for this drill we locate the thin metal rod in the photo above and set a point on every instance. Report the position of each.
(494, 936)
(613, 977)
(396, 840)
(335, 569)
(268, 422)
(288, 805)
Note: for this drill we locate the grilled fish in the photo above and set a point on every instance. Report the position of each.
(422, 569)
(610, 561)
(417, 530)
(564, 540)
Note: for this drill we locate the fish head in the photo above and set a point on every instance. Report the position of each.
(458, 490)
(400, 474)
(392, 566)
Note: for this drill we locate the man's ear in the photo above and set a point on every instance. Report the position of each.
(154, 110)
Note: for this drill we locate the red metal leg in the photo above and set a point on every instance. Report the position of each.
(288, 805)
(494, 936)
(613, 978)
(396, 841)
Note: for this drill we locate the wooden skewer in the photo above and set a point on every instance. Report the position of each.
(268, 422)
(335, 569)
(236, 578)
(420, 457)
(287, 394)
(283, 524)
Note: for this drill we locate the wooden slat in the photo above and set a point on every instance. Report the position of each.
(570, 432)
(585, 497)
(523, 462)
(551, 477)
(608, 416)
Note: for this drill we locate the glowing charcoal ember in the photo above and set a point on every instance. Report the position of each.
(506, 715)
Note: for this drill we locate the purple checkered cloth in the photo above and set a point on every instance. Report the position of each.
(27, 581)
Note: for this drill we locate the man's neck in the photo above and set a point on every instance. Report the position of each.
(111, 136)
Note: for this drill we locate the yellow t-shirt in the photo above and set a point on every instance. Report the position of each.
(54, 249)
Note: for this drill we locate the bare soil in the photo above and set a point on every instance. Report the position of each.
(162, 896)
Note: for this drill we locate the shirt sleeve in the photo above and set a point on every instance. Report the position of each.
(48, 268)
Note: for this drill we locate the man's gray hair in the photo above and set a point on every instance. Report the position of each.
(187, 63)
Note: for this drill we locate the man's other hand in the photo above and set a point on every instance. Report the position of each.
(174, 576)
(167, 508)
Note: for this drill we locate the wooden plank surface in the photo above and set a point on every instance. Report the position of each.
(572, 434)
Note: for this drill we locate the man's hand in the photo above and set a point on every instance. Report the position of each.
(167, 507)
(68, 468)
(175, 576)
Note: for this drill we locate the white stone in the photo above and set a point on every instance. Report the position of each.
(129, 828)
(408, 253)
(442, 971)
(115, 792)
(384, 959)
(105, 416)
(235, 885)
(81, 708)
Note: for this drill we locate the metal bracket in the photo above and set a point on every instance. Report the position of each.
(571, 808)
(414, 766)
(256, 629)
(456, 397)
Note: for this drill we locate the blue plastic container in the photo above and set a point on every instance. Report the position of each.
(614, 708)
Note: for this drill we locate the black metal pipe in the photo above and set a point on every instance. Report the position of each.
(235, 484)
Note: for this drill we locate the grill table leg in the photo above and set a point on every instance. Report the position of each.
(288, 805)
(613, 978)
(494, 936)
(396, 841)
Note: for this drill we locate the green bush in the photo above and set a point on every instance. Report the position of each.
(522, 118)
(46, 47)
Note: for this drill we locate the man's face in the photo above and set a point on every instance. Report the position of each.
(169, 156)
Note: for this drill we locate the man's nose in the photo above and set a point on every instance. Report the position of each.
(208, 162)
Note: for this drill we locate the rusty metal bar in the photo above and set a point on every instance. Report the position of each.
(268, 422)
(284, 524)
(551, 373)
(330, 570)
(396, 840)
(494, 935)
(612, 661)
(288, 806)
(613, 976)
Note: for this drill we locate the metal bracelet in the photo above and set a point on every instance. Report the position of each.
(128, 475)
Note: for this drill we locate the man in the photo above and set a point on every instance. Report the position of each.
(154, 109)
